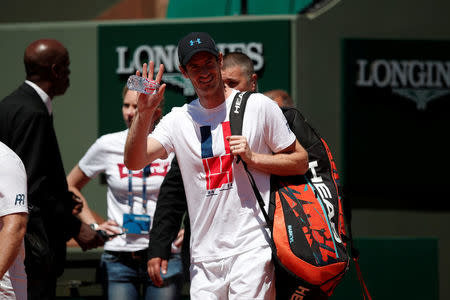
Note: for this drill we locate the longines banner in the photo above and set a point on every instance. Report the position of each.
(124, 48)
(396, 123)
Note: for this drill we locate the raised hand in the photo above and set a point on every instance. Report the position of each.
(140, 149)
(146, 102)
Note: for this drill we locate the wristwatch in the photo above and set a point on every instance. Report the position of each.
(94, 226)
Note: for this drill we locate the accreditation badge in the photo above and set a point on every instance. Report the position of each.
(136, 224)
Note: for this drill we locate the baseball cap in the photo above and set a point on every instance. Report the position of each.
(193, 43)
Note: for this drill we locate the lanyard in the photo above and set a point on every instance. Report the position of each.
(145, 174)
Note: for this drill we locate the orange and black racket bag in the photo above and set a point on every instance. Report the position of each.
(306, 216)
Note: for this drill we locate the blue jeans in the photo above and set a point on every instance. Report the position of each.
(127, 278)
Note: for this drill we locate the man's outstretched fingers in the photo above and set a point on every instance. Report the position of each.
(151, 67)
(144, 70)
(161, 90)
(160, 73)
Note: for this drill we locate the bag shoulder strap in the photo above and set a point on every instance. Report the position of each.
(236, 120)
(237, 112)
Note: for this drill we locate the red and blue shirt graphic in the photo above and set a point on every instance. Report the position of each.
(218, 169)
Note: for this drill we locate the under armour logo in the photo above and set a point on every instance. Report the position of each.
(20, 199)
(198, 41)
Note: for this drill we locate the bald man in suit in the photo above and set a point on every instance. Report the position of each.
(26, 126)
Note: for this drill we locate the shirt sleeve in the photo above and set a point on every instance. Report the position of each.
(13, 185)
(278, 134)
(93, 161)
(163, 132)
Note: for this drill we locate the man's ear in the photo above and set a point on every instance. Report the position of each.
(220, 60)
(254, 81)
(54, 70)
(183, 71)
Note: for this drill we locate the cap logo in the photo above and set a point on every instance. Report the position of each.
(198, 41)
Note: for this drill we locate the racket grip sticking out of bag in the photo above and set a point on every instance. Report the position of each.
(142, 85)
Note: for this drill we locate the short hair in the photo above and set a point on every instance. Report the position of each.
(241, 60)
(124, 91)
(286, 100)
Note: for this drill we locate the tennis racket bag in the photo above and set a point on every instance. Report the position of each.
(305, 215)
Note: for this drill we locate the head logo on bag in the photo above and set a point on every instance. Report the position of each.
(306, 216)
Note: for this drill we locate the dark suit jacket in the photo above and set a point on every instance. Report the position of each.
(171, 207)
(27, 128)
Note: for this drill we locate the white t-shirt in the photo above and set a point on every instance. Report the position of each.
(106, 155)
(225, 217)
(13, 199)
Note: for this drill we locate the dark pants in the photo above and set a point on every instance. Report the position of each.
(41, 288)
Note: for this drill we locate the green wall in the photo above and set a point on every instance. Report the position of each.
(320, 96)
